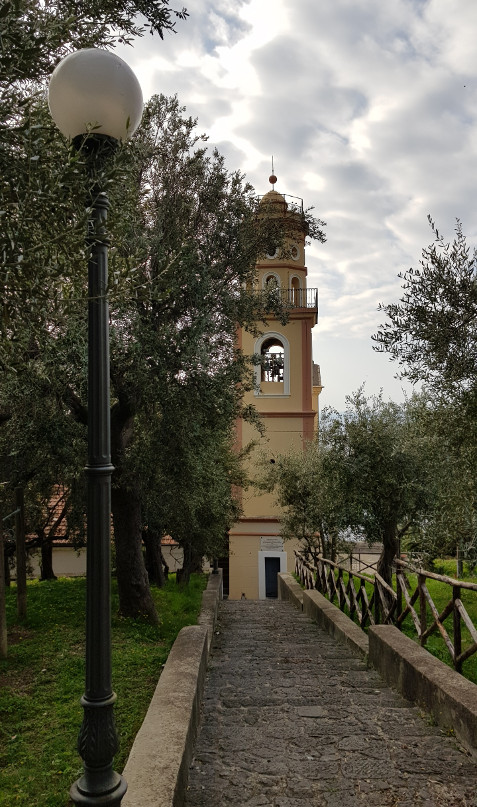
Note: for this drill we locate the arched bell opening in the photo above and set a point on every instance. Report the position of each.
(272, 373)
(271, 281)
(273, 360)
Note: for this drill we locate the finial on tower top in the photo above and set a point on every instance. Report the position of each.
(272, 178)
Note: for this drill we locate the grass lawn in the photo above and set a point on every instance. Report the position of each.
(42, 681)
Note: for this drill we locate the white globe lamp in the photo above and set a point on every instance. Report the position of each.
(95, 91)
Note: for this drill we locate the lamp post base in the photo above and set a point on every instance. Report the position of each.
(110, 798)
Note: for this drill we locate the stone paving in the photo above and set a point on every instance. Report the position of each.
(291, 718)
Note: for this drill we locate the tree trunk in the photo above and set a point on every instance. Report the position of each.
(389, 552)
(8, 577)
(46, 556)
(135, 598)
(46, 561)
(154, 559)
(192, 563)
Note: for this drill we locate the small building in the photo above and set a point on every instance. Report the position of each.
(287, 387)
(71, 562)
(361, 557)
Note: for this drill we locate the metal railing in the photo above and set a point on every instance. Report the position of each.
(371, 601)
(292, 298)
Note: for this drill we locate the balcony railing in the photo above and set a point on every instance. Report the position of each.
(293, 298)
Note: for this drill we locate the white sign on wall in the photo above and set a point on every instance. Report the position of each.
(271, 543)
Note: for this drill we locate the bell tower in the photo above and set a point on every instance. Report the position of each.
(283, 396)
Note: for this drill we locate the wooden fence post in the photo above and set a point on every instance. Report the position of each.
(457, 629)
(421, 580)
(3, 613)
(21, 553)
(377, 610)
(337, 588)
(399, 592)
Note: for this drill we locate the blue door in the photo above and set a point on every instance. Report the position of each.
(272, 568)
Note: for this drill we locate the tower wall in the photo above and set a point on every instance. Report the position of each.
(284, 399)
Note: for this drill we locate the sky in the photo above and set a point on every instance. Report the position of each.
(369, 109)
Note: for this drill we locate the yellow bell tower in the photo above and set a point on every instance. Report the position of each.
(284, 393)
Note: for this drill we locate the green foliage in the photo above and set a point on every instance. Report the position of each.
(41, 230)
(296, 478)
(305, 487)
(40, 448)
(408, 471)
(385, 472)
(36, 35)
(431, 331)
(445, 435)
(43, 679)
(187, 238)
(431, 334)
(383, 485)
(367, 476)
(43, 188)
(185, 235)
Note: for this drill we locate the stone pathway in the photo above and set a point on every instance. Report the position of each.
(293, 719)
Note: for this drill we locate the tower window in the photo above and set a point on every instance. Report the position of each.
(272, 372)
(295, 292)
(273, 360)
(271, 281)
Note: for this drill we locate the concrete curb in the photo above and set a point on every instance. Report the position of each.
(289, 589)
(210, 600)
(158, 766)
(335, 622)
(424, 679)
(324, 613)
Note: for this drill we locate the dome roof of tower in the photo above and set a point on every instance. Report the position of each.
(273, 198)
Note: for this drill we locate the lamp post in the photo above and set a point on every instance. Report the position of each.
(96, 101)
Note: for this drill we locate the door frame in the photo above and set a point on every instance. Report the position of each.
(261, 569)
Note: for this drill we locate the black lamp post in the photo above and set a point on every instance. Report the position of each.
(96, 101)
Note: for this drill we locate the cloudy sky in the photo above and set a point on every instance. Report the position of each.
(369, 109)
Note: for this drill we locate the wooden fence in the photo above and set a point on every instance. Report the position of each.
(369, 600)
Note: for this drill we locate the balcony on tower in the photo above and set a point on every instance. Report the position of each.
(293, 300)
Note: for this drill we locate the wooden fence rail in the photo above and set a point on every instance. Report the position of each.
(369, 600)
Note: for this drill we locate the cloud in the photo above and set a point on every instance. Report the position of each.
(370, 111)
